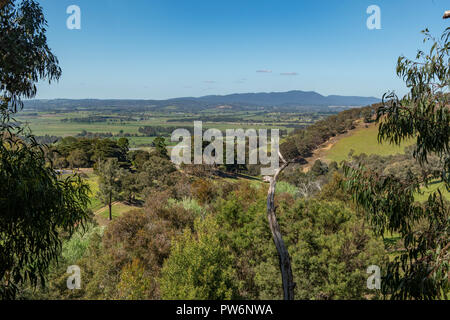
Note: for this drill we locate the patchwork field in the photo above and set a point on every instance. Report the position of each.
(72, 123)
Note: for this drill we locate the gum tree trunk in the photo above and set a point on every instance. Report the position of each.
(283, 254)
(110, 206)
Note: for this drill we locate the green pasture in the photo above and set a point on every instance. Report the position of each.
(364, 140)
(51, 123)
(432, 187)
(117, 210)
(92, 181)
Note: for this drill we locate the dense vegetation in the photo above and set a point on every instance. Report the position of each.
(36, 207)
(173, 247)
(85, 152)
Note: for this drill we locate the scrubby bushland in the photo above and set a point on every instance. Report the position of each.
(215, 244)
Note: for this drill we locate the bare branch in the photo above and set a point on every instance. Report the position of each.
(281, 157)
(283, 254)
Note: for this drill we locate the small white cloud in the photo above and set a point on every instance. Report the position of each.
(264, 71)
(289, 73)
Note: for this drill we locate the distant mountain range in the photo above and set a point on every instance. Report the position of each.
(241, 101)
(292, 98)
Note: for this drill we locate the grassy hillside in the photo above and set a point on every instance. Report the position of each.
(433, 187)
(92, 181)
(363, 140)
(117, 210)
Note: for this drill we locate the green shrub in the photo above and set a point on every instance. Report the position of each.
(75, 247)
(199, 266)
(286, 187)
(189, 204)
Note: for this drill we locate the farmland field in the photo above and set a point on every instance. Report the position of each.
(63, 123)
(363, 140)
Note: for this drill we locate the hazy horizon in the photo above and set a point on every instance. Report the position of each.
(195, 97)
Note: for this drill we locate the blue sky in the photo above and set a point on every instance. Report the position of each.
(157, 49)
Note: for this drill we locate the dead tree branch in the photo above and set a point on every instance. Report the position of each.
(283, 254)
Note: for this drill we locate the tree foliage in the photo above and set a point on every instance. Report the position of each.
(421, 271)
(110, 175)
(160, 147)
(25, 55)
(36, 206)
(87, 152)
